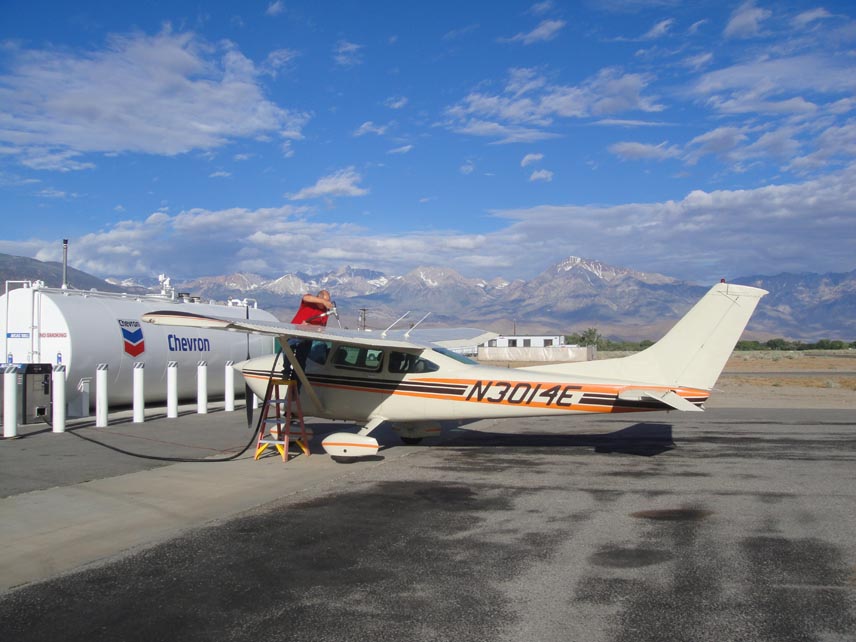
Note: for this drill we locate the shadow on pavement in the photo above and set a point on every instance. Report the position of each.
(641, 439)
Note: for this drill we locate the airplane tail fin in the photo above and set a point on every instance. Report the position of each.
(693, 353)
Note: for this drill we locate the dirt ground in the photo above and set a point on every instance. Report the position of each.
(810, 379)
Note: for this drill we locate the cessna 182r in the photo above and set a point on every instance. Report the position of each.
(411, 378)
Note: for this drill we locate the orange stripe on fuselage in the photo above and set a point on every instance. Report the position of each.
(540, 395)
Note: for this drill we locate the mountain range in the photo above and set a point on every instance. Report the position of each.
(570, 296)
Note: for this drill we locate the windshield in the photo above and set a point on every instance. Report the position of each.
(454, 355)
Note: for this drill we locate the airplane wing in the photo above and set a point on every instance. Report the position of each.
(446, 337)
(285, 331)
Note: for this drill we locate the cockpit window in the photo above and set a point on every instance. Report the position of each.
(403, 362)
(358, 358)
(319, 351)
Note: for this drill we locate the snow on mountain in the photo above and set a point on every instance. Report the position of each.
(287, 284)
(572, 295)
(608, 273)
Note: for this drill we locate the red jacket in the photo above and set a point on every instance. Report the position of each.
(308, 310)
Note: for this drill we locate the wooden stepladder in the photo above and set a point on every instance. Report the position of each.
(278, 412)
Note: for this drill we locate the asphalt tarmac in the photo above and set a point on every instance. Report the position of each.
(735, 524)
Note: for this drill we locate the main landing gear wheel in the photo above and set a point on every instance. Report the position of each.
(412, 441)
(343, 460)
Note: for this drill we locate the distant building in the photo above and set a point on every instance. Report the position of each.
(534, 347)
(527, 341)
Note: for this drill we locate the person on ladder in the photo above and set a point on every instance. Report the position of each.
(314, 310)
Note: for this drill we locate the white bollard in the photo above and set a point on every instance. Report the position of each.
(101, 395)
(139, 392)
(229, 378)
(58, 400)
(83, 389)
(202, 388)
(10, 402)
(172, 389)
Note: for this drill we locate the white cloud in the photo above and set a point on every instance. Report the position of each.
(347, 54)
(278, 59)
(701, 237)
(369, 127)
(505, 133)
(835, 143)
(812, 15)
(166, 94)
(792, 85)
(541, 175)
(628, 122)
(694, 27)
(456, 34)
(50, 192)
(401, 150)
(395, 102)
(530, 158)
(53, 160)
(546, 30)
(524, 80)
(275, 8)
(659, 30)
(698, 61)
(644, 151)
(467, 168)
(745, 21)
(528, 104)
(540, 8)
(780, 143)
(341, 183)
(719, 141)
(219, 174)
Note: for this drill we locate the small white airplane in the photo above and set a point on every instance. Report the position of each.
(370, 378)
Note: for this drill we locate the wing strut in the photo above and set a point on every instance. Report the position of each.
(292, 359)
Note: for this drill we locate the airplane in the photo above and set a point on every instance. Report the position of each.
(413, 380)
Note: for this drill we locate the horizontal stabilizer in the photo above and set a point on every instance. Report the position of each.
(668, 397)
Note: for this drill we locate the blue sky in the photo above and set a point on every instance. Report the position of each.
(701, 140)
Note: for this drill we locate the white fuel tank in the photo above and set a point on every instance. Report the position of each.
(82, 329)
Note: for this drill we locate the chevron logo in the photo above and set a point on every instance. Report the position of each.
(132, 337)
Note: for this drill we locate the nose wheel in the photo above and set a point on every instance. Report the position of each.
(346, 447)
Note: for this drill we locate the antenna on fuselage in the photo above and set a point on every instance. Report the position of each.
(413, 327)
(394, 323)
